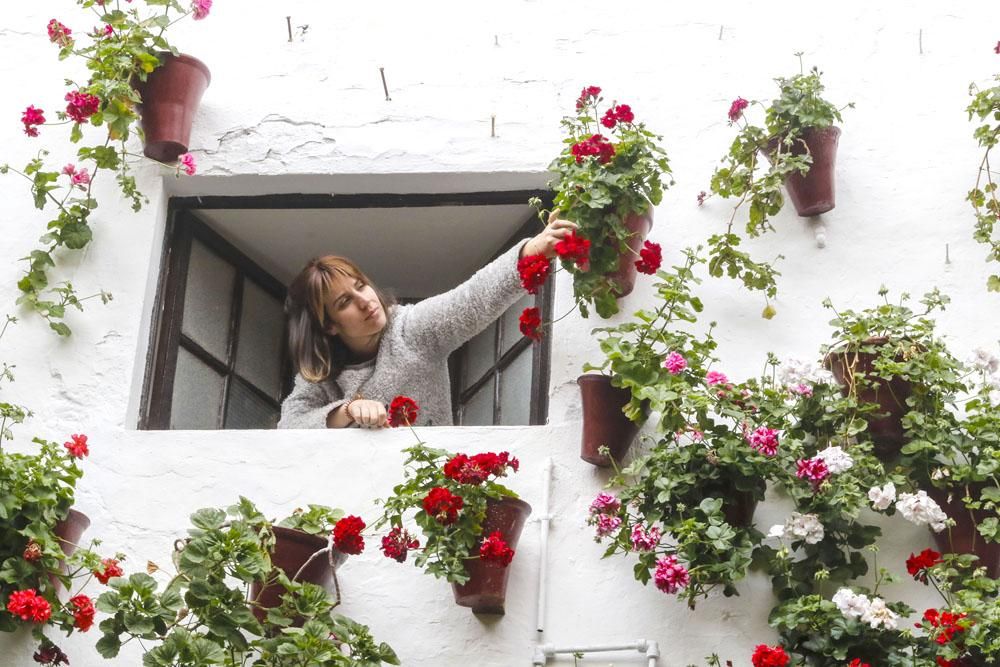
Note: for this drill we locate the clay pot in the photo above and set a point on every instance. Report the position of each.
(638, 227)
(963, 538)
(739, 509)
(170, 99)
(486, 589)
(292, 548)
(68, 532)
(815, 192)
(604, 423)
(886, 425)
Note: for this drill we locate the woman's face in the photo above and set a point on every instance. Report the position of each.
(354, 310)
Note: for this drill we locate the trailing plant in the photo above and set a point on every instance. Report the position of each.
(119, 55)
(779, 141)
(203, 615)
(601, 180)
(985, 107)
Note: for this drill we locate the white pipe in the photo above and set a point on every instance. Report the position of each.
(649, 648)
(543, 556)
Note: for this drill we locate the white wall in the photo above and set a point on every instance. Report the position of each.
(310, 112)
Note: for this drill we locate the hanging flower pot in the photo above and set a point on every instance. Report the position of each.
(854, 371)
(638, 226)
(738, 507)
(814, 193)
(293, 549)
(486, 589)
(170, 99)
(963, 537)
(604, 423)
(68, 532)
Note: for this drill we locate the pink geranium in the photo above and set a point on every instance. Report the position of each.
(675, 363)
(200, 9)
(607, 524)
(670, 576)
(32, 117)
(815, 470)
(736, 109)
(715, 377)
(764, 440)
(187, 164)
(645, 539)
(605, 503)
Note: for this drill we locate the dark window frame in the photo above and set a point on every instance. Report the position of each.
(165, 335)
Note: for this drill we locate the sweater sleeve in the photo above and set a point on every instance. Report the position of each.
(443, 322)
(307, 406)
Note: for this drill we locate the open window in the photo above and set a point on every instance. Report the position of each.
(218, 353)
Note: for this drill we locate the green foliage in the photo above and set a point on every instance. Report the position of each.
(204, 614)
(985, 107)
(600, 196)
(316, 520)
(780, 146)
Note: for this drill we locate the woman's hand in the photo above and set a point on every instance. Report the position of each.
(545, 243)
(368, 414)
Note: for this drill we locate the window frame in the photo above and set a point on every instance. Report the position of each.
(183, 225)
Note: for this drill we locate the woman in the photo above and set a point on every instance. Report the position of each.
(354, 350)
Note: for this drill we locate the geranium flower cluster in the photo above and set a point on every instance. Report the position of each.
(604, 514)
(815, 470)
(621, 113)
(82, 608)
(872, 611)
(650, 258)
(347, 535)
(917, 508)
(442, 505)
(805, 527)
(477, 468)
(674, 363)
(597, 145)
(943, 626)
(28, 605)
(763, 440)
(769, 656)
(398, 543)
(918, 565)
(670, 576)
(494, 549)
(402, 411)
(736, 109)
(110, 567)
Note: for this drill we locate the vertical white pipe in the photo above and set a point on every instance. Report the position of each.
(543, 556)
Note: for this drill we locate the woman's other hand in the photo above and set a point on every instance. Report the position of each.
(545, 242)
(368, 414)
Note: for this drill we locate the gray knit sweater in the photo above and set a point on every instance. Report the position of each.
(412, 357)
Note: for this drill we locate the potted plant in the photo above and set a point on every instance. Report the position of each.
(41, 553)
(985, 107)
(798, 141)
(309, 546)
(470, 522)
(122, 57)
(609, 176)
(204, 614)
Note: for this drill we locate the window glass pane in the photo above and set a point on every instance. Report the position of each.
(511, 321)
(246, 409)
(479, 410)
(258, 351)
(515, 390)
(197, 396)
(208, 300)
(480, 355)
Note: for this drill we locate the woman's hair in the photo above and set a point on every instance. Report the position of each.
(314, 353)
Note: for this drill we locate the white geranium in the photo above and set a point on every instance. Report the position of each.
(882, 497)
(879, 614)
(795, 372)
(804, 526)
(984, 360)
(777, 530)
(919, 508)
(836, 459)
(851, 604)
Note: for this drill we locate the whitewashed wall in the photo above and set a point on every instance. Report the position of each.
(310, 116)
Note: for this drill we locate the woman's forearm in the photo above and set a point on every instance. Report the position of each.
(338, 417)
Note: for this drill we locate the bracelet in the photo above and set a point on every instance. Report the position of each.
(347, 406)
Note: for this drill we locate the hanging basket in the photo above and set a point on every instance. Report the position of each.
(170, 98)
(604, 423)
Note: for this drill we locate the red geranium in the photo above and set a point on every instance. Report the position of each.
(402, 411)
(596, 146)
(347, 535)
(77, 445)
(533, 269)
(917, 565)
(769, 656)
(573, 248)
(530, 321)
(81, 105)
(946, 623)
(59, 33)
(495, 550)
(110, 569)
(443, 505)
(83, 612)
(29, 606)
(650, 258)
(397, 543)
(477, 468)
(30, 118)
(586, 95)
(618, 114)
(736, 109)
(857, 663)
(944, 662)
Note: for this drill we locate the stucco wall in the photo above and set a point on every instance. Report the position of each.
(311, 115)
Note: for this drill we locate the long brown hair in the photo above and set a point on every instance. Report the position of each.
(314, 353)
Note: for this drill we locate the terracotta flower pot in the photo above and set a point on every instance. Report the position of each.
(885, 425)
(963, 538)
(604, 423)
(814, 193)
(68, 532)
(638, 227)
(292, 548)
(486, 590)
(739, 509)
(170, 99)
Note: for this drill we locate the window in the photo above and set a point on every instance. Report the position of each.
(218, 357)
